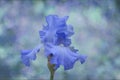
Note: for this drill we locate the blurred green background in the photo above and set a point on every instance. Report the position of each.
(97, 34)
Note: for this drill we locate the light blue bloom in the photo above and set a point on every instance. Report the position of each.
(56, 39)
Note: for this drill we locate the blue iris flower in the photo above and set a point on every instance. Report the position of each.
(55, 37)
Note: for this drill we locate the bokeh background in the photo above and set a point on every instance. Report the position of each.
(97, 34)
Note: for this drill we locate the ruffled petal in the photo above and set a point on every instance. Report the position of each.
(61, 22)
(63, 56)
(57, 31)
(28, 55)
(50, 20)
(54, 21)
(24, 58)
(69, 31)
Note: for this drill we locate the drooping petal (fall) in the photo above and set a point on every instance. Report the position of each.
(28, 55)
(63, 56)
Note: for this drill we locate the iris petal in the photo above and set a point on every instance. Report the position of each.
(50, 20)
(24, 58)
(56, 31)
(64, 56)
(28, 55)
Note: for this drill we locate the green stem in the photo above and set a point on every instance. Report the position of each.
(51, 76)
(52, 70)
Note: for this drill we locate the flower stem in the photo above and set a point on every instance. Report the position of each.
(51, 68)
(51, 76)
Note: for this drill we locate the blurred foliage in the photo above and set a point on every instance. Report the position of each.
(96, 23)
(117, 2)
